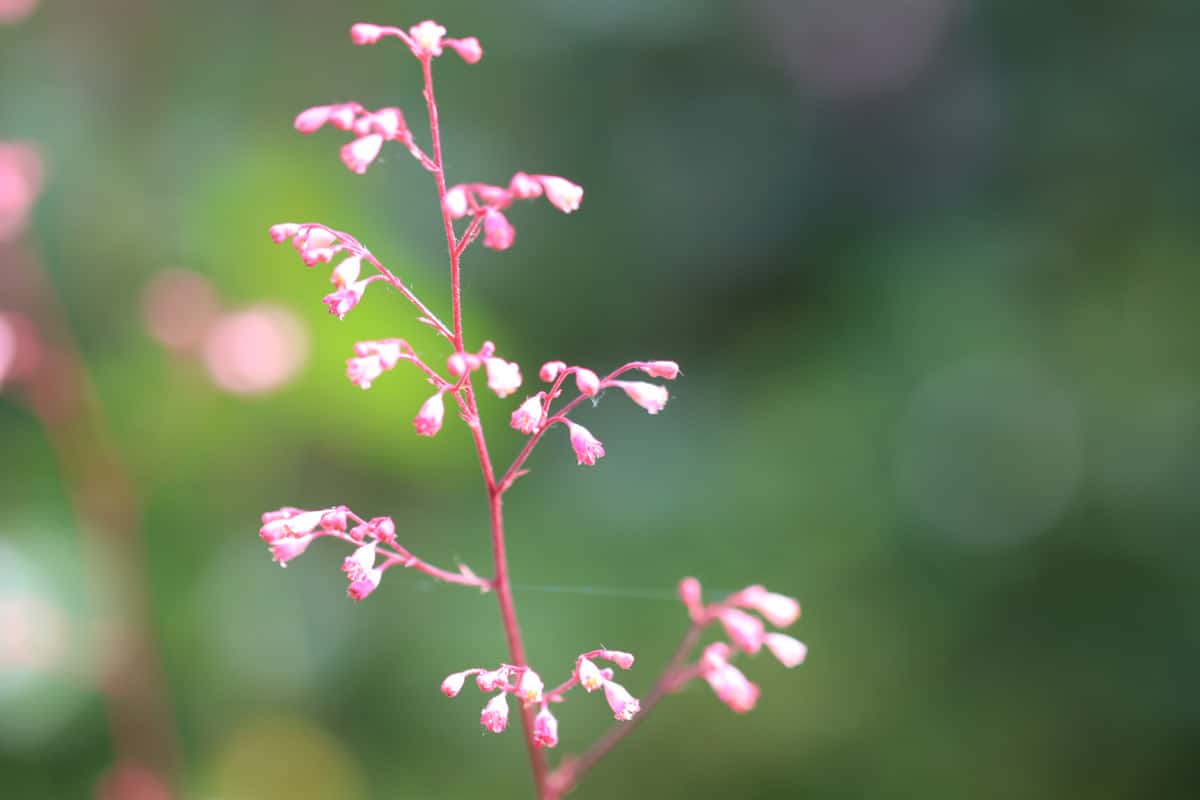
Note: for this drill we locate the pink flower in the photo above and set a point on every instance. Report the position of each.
(334, 520)
(587, 447)
(492, 680)
(363, 33)
(564, 195)
(551, 370)
(789, 651)
(745, 630)
(620, 658)
(524, 187)
(589, 675)
(780, 610)
(427, 38)
(689, 593)
(283, 231)
(623, 704)
(312, 119)
(469, 49)
(495, 714)
(358, 564)
(343, 115)
(346, 272)
(429, 419)
(383, 528)
(530, 687)
(661, 369)
(498, 234)
(733, 688)
(454, 683)
(359, 589)
(360, 153)
(288, 522)
(363, 371)
(528, 416)
(587, 382)
(545, 729)
(387, 122)
(389, 351)
(456, 203)
(342, 301)
(503, 377)
(284, 550)
(649, 396)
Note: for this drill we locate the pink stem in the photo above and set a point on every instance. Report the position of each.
(501, 582)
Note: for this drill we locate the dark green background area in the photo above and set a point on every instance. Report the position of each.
(930, 267)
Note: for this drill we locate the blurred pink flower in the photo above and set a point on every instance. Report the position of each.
(179, 308)
(14, 11)
(256, 350)
(21, 177)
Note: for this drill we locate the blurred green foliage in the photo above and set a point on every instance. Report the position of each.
(931, 271)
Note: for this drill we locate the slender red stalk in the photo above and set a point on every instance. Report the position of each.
(466, 398)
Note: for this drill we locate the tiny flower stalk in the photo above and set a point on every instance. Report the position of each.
(488, 213)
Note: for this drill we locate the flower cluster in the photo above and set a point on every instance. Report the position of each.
(370, 128)
(426, 40)
(487, 202)
(746, 633)
(289, 531)
(526, 685)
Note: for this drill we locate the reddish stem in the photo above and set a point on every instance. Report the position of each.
(466, 399)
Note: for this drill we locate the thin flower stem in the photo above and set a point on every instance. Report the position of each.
(466, 399)
(568, 774)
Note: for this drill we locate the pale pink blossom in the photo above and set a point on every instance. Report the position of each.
(589, 675)
(343, 115)
(778, 609)
(530, 687)
(389, 351)
(285, 549)
(334, 520)
(495, 714)
(619, 657)
(498, 233)
(387, 122)
(469, 49)
(359, 589)
(359, 154)
(524, 187)
(745, 630)
(715, 656)
(456, 203)
(490, 680)
(528, 417)
(649, 396)
(342, 301)
(360, 562)
(588, 449)
(503, 377)
(587, 382)
(346, 272)
(383, 528)
(288, 522)
(623, 704)
(454, 683)
(668, 370)
(789, 651)
(545, 729)
(363, 33)
(429, 419)
(363, 371)
(551, 370)
(283, 231)
(690, 594)
(733, 688)
(427, 38)
(312, 119)
(562, 194)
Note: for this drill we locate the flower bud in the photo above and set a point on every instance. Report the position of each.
(495, 714)
(623, 704)
(362, 33)
(468, 49)
(745, 630)
(429, 419)
(456, 202)
(789, 651)
(454, 683)
(312, 119)
(498, 233)
(545, 729)
(562, 194)
(668, 370)
(523, 187)
(649, 396)
(620, 658)
(551, 370)
(589, 675)
(587, 382)
(360, 153)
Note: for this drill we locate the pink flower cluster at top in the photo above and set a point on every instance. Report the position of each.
(527, 686)
(746, 633)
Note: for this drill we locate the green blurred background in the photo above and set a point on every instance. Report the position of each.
(931, 270)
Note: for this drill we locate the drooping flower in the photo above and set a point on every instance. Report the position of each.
(564, 195)
(346, 272)
(778, 609)
(619, 657)
(285, 549)
(524, 187)
(623, 704)
(588, 449)
(789, 651)
(587, 382)
(363, 371)
(589, 675)
(530, 687)
(649, 396)
(360, 153)
(667, 370)
(358, 564)
(429, 419)
(491, 680)
(361, 588)
(733, 688)
(495, 714)
(343, 301)
(289, 522)
(469, 49)
(528, 416)
(453, 684)
(456, 203)
(498, 232)
(551, 370)
(545, 729)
